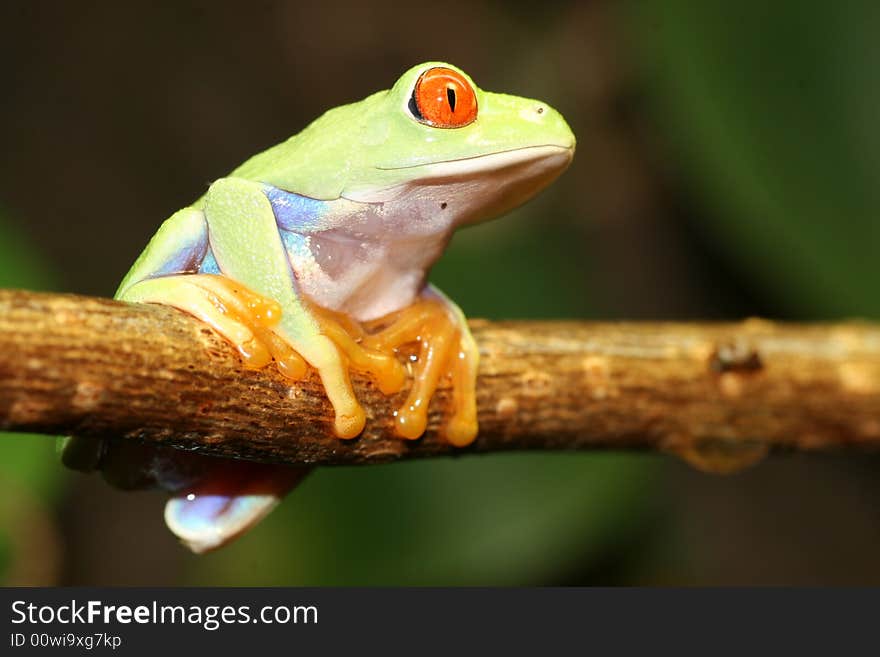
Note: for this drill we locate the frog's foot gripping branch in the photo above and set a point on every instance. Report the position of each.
(243, 317)
(446, 347)
(435, 324)
(213, 500)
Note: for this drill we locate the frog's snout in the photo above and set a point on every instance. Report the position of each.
(552, 124)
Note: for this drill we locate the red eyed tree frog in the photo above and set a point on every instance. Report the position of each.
(304, 249)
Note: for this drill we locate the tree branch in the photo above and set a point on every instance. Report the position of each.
(718, 394)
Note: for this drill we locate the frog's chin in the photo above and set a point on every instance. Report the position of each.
(481, 186)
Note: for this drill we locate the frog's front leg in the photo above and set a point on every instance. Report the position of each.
(446, 347)
(244, 237)
(255, 303)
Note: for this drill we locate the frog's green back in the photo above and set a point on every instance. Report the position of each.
(316, 162)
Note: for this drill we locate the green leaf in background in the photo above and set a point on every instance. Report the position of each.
(28, 465)
(516, 267)
(20, 264)
(28, 459)
(774, 111)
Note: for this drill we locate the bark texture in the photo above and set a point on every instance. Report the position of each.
(719, 395)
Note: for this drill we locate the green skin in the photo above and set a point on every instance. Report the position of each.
(417, 183)
(364, 152)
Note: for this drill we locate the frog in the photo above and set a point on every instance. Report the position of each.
(314, 255)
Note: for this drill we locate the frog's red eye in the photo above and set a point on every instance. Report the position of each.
(444, 99)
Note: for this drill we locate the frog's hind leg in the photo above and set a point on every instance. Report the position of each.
(232, 498)
(213, 500)
(166, 273)
(446, 347)
(218, 499)
(227, 497)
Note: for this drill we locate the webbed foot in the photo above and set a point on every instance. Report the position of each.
(446, 348)
(251, 322)
(242, 316)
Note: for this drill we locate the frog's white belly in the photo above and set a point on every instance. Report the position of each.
(366, 259)
(359, 277)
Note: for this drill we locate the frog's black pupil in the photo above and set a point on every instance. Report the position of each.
(414, 107)
(450, 96)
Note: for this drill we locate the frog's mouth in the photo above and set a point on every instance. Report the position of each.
(483, 186)
(478, 164)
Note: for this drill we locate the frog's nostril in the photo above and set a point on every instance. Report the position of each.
(539, 110)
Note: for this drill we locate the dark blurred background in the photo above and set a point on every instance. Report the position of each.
(728, 165)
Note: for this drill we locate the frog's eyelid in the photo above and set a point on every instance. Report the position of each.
(413, 107)
(413, 104)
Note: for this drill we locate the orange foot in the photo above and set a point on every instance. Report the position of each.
(445, 348)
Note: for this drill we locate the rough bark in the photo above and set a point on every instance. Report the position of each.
(719, 395)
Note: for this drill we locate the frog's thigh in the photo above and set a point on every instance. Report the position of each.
(241, 223)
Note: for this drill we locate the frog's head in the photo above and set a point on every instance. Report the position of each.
(444, 143)
(436, 141)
